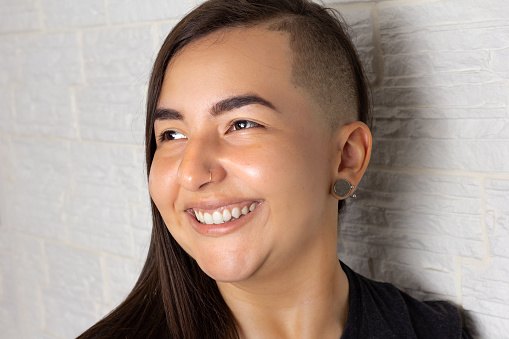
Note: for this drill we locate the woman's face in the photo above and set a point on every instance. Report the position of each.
(238, 141)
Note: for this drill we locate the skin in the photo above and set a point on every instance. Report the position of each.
(277, 268)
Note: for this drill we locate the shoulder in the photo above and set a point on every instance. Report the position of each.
(380, 310)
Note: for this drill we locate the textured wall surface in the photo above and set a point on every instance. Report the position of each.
(432, 213)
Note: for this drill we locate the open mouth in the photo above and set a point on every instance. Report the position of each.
(223, 214)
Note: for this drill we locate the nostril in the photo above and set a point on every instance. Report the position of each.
(192, 175)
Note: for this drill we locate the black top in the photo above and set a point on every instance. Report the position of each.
(380, 310)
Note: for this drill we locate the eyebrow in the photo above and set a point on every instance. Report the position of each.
(238, 102)
(167, 114)
(222, 106)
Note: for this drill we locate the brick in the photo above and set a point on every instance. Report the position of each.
(496, 95)
(404, 239)
(361, 251)
(397, 187)
(20, 293)
(46, 335)
(441, 128)
(499, 245)
(30, 306)
(101, 228)
(422, 260)
(462, 95)
(106, 181)
(8, 325)
(476, 79)
(471, 155)
(7, 186)
(69, 14)
(405, 65)
(74, 271)
(80, 312)
(50, 162)
(447, 38)
(128, 11)
(496, 197)
(362, 213)
(28, 253)
(494, 304)
(442, 283)
(494, 270)
(10, 69)
(19, 16)
(112, 113)
(452, 225)
(141, 242)
(487, 326)
(497, 216)
(37, 203)
(460, 61)
(118, 55)
(141, 221)
(487, 307)
(43, 218)
(51, 58)
(9, 308)
(6, 110)
(45, 111)
(106, 175)
(8, 269)
(141, 216)
(426, 14)
(439, 112)
(499, 60)
(122, 275)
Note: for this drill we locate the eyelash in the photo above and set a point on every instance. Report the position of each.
(168, 135)
(234, 126)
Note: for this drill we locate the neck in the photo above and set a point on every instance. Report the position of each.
(304, 298)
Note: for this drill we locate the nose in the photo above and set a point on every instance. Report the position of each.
(199, 165)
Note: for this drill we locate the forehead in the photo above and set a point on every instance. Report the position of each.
(229, 62)
(255, 46)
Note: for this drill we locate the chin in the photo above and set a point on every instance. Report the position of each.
(226, 270)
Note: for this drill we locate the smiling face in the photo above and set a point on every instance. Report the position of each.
(243, 164)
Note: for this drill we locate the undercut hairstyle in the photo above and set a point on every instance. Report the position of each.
(173, 297)
(326, 65)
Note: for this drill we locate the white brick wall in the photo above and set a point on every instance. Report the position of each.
(432, 214)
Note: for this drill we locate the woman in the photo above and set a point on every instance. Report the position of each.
(257, 128)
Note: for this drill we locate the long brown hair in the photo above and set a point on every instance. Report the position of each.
(173, 298)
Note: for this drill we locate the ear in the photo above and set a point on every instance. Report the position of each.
(353, 142)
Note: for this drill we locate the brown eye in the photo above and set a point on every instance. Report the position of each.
(169, 135)
(243, 124)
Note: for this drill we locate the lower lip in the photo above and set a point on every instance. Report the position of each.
(222, 229)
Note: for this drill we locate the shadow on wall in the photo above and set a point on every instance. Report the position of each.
(415, 216)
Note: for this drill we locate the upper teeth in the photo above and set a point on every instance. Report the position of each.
(219, 217)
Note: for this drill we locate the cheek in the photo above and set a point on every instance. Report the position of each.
(162, 183)
(291, 171)
(257, 167)
(300, 173)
